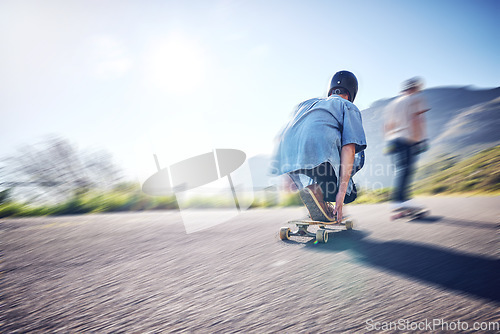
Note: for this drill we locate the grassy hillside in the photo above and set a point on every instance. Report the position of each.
(461, 120)
(477, 174)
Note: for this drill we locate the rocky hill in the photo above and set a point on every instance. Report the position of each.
(462, 121)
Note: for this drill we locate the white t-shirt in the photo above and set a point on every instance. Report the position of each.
(398, 117)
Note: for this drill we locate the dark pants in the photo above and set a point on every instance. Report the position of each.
(404, 159)
(324, 176)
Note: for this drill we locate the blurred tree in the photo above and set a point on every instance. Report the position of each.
(5, 196)
(54, 170)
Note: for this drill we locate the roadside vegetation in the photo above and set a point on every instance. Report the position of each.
(477, 175)
(124, 197)
(373, 196)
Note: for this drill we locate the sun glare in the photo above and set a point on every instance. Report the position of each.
(176, 64)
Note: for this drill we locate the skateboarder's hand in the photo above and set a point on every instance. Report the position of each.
(339, 204)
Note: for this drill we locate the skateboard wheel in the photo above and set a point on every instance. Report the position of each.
(349, 224)
(322, 235)
(285, 233)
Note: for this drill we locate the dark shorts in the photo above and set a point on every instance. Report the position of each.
(324, 176)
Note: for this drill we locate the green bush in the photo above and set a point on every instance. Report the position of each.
(438, 189)
(126, 198)
(263, 203)
(291, 199)
(5, 196)
(10, 209)
(164, 203)
(13, 209)
(373, 196)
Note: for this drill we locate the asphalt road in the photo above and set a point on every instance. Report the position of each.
(141, 273)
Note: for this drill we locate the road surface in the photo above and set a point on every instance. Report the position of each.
(141, 273)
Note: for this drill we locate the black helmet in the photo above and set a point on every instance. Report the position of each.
(346, 80)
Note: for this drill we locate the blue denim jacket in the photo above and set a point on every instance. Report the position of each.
(315, 134)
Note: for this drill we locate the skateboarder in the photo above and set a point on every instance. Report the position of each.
(404, 128)
(322, 146)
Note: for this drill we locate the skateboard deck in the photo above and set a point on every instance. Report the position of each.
(321, 234)
(410, 213)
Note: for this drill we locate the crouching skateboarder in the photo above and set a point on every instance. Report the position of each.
(321, 148)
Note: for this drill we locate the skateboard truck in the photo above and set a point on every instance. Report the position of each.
(321, 235)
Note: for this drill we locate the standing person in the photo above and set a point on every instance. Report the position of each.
(404, 130)
(317, 149)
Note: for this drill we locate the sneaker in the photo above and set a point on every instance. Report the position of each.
(315, 204)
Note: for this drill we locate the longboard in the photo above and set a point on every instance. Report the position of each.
(321, 234)
(410, 213)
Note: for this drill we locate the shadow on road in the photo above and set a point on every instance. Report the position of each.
(471, 274)
(454, 222)
(426, 220)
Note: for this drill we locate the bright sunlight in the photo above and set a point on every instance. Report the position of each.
(176, 64)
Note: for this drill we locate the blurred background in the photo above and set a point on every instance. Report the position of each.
(90, 90)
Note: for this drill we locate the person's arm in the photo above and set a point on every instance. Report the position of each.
(422, 106)
(388, 126)
(346, 162)
(418, 127)
(423, 111)
(418, 120)
(388, 117)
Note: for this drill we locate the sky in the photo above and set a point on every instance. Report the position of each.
(179, 78)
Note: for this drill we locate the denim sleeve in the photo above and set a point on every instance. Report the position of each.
(353, 132)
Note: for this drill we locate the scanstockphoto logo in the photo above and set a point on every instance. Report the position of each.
(222, 176)
(430, 325)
